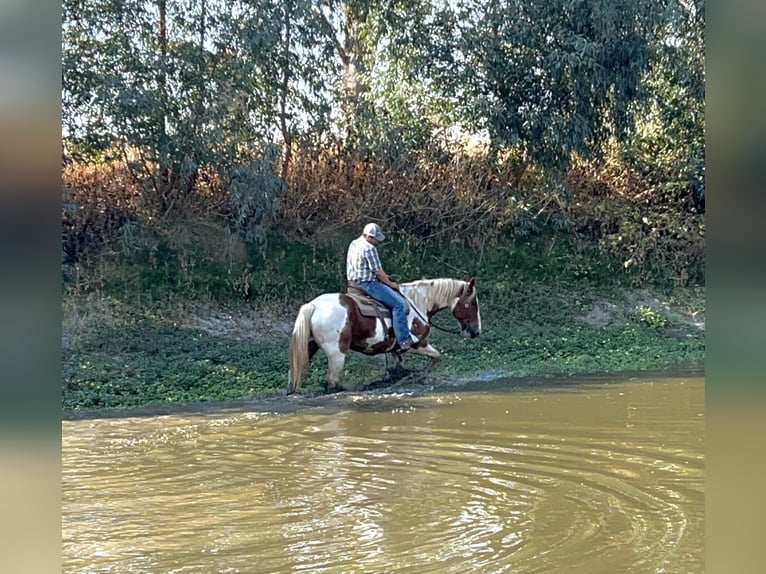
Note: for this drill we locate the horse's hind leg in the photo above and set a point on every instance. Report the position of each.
(313, 348)
(335, 361)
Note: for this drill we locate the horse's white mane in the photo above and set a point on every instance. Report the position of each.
(432, 294)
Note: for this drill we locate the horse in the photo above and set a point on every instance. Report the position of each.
(340, 322)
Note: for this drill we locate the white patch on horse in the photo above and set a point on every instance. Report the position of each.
(381, 328)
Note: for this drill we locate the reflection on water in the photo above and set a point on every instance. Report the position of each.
(594, 477)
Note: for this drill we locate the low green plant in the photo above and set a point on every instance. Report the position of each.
(651, 317)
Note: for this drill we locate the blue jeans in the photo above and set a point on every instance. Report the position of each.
(390, 298)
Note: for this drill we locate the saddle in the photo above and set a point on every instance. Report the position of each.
(368, 306)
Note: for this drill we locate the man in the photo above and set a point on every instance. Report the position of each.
(364, 271)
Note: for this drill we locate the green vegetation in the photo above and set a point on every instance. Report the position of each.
(128, 345)
(154, 362)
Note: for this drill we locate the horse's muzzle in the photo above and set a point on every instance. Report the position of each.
(470, 332)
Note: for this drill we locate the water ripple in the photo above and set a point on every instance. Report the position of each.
(482, 482)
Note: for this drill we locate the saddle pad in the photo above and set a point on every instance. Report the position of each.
(369, 307)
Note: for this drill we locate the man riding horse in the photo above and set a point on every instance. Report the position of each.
(338, 323)
(365, 272)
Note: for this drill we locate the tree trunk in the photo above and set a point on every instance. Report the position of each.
(165, 175)
(352, 54)
(284, 127)
(354, 63)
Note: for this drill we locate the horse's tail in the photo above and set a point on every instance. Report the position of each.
(299, 348)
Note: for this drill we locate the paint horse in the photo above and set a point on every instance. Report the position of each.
(341, 322)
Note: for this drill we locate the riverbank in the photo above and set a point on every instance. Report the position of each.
(120, 354)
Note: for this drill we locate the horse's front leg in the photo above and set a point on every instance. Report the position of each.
(428, 351)
(396, 369)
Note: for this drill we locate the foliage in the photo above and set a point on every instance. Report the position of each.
(547, 78)
(428, 204)
(650, 316)
(200, 85)
(160, 86)
(668, 146)
(155, 363)
(253, 189)
(192, 130)
(139, 352)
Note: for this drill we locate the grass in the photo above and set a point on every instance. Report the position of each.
(126, 345)
(154, 362)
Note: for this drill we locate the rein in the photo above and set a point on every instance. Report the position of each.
(452, 331)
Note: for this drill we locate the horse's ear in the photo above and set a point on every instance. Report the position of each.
(470, 284)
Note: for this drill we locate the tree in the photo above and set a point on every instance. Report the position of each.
(546, 78)
(159, 83)
(668, 145)
(233, 88)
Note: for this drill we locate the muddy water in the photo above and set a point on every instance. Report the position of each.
(601, 476)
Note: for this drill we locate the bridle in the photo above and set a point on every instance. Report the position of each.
(427, 320)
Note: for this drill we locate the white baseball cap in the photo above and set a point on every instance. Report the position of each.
(374, 230)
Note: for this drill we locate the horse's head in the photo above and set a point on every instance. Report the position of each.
(466, 310)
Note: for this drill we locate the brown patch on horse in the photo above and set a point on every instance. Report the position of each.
(421, 331)
(377, 348)
(460, 311)
(358, 329)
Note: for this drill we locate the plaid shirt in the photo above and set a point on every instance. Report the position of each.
(362, 261)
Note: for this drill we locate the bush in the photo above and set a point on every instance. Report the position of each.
(238, 235)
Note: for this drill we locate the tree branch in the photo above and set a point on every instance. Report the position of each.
(330, 31)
